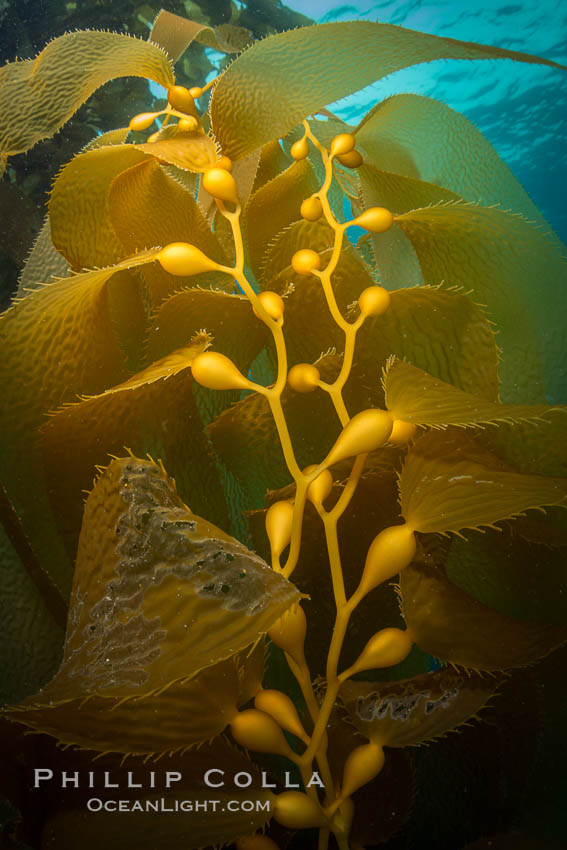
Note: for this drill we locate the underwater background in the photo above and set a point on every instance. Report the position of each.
(522, 111)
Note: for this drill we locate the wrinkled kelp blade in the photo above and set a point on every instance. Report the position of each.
(415, 396)
(511, 573)
(148, 207)
(451, 625)
(312, 66)
(409, 712)
(186, 714)
(37, 96)
(445, 486)
(235, 330)
(32, 641)
(162, 603)
(154, 412)
(274, 206)
(514, 270)
(420, 137)
(189, 151)
(273, 160)
(68, 322)
(396, 259)
(81, 228)
(439, 330)
(43, 264)
(156, 559)
(398, 192)
(174, 34)
(44, 261)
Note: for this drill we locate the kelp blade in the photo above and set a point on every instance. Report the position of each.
(396, 136)
(441, 331)
(152, 413)
(453, 626)
(37, 96)
(415, 396)
(310, 67)
(513, 268)
(446, 487)
(174, 34)
(162, 604)
(71, 319)
(412, 711)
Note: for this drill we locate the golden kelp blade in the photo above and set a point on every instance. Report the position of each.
(149, 205)
(451, 625)
(43, 264)
(86, 224)
(245, 436)
(442, 331)
(68, 325)
(272, 162)
(71, 825)
(274, 206)
(81, 228)
(398, 192)
(396, 259)
(515, 270)
(420, 137)
(444, 487)
(184, 570)
(236, 331)
(44, 261)
(174, 34)
(154, 412)
(313, 66)
(162, 603)
(414, 396)
(186, 714)
(409, 712)
(190, 151)
(37, 96)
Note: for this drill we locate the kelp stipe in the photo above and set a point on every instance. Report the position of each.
(217, 318)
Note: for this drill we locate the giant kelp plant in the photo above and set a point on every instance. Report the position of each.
(196, 327)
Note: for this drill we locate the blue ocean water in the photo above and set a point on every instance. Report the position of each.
(521, 109)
